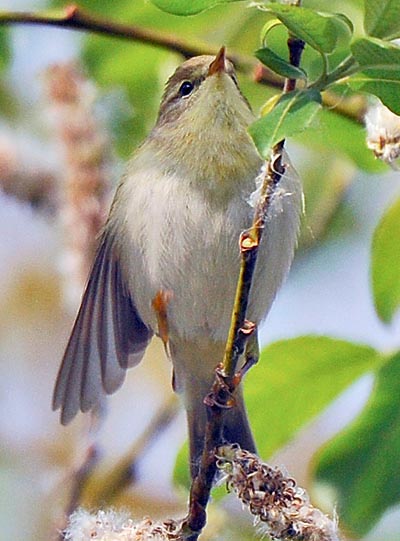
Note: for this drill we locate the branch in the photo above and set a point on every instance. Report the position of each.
(216, 403)
(240, 329)
(226, 377)
(74, 18)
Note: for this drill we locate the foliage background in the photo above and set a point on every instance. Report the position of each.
(328, 293)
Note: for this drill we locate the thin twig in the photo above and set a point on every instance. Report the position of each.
(250, 240)
(220, 399)
(74, 18)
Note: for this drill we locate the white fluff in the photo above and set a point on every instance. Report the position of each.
(383, 132)
(110, 525)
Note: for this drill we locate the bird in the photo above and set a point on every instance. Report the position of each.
(172, 240)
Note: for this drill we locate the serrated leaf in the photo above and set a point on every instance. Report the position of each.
(295, 380)
(385, 264)
(362, 463)
(183, 7)
(279, 65)
(292, 114)
(380, 70)
(382, 18)
(317, 29)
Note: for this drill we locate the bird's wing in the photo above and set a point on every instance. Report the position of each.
(108, 337)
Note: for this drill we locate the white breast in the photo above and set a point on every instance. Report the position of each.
(177, 238)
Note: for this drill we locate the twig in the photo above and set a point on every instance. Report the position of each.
(226, 380)
(74, 18)
(80, 477)
(200, 489)
(352, 106)
(123, 473)
(250, 240)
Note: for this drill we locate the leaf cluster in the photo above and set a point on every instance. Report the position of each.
(368, 63)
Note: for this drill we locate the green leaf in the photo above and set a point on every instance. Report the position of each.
(185, 7)
(376, 54)
(387, 91)
(380, 70)
(319, 30)
(382, 18)
(385, 264)
(279, 65)
(8, 100)
(295, 380)
(292, 114)
(363, 462)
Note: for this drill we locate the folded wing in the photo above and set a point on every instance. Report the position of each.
(107, 338)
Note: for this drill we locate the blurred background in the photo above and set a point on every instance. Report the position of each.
(72, 108)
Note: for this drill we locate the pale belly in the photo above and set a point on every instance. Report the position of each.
(192, 252)
(180, 244)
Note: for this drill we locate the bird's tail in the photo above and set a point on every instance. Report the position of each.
(236, 428)
(194, 371)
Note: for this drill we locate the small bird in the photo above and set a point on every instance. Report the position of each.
(171, 240)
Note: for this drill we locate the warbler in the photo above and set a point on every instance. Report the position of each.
(173, 235)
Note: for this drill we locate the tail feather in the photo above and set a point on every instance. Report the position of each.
(236, 429)
(194, 370)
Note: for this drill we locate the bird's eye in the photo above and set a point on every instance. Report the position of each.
(186, 88)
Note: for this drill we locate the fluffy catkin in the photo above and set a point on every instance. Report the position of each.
(280, 507)
(114, 525)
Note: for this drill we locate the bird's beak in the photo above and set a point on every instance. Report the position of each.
(218, 64)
